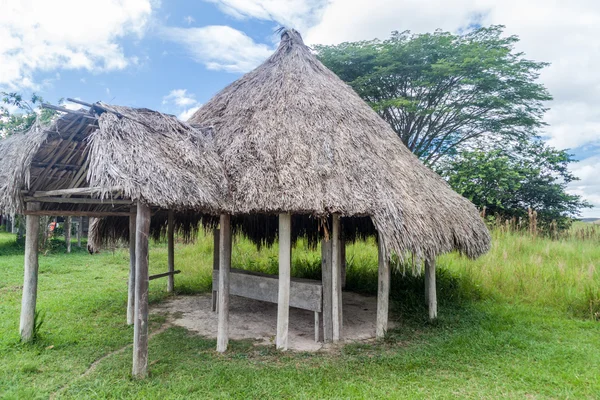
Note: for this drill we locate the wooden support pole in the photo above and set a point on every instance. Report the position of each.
(131, 281)
(343, 258)
(68, 233)
(215, 267)
(326, 282)
(30, 280)
(171, 251)
(140, 327)
(383, 292)
(336, 278)
(224, 270)
(283, 296)
(79, 231)
(430, 287)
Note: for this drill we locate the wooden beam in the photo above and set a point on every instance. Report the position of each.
(83, 103)
(326, 282)
(30, 279)
(215, 267)
(336, 278)
(77, 200)
(171, 251)
(131, 281)
(431, 287)
(224, 268)
(77, 213)
(75, 191)
(66, 110)
(140, 327)
(283, 297)
(163, 274)
(383, 292)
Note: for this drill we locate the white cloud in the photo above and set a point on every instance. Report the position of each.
(220, 47)
(589, 184)
(189, 20)
(184, 103)
(40, 35)
(187, 114)
(179, 97)
(298, 14)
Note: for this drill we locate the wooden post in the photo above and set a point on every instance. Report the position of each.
(430, 285)
(80, 232)
(224, 269)
(336, 279)
(131, 281)
(326, 282)
(140, 327)
(343, 258)
(30, 279)
(68, 233)
(283, 296)
(215, 292)
(171, 251)
(383, 292)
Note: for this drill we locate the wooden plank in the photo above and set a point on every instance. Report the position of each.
(162, 275)
(304, 294)
(326, 284)
(83, 103)
(74, 191)
(215, 285)
(283, 297)
(131, 281)
(431, 287)
(77, 213)
(140, 327)
(336, 281)
(224, 268)
(66, 110)
(76, 200)
(383, 293)
(171, 251)
(317, 324)
(67, 229)
(30, 280)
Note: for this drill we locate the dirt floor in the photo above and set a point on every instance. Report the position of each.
(252, 319)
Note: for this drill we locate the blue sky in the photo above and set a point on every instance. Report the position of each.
(174, 55)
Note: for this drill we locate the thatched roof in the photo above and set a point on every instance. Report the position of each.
(121, 152)
(294, 138)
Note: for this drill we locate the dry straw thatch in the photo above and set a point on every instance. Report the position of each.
(127, 153)
(294, 138)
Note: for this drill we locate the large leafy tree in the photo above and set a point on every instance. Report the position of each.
(442, 92)
(26, 113)
(509, 181)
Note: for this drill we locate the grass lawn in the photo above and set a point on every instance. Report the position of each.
(521, 322)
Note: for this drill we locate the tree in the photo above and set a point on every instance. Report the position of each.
(21, 121)
(509, 181)
(443, 92)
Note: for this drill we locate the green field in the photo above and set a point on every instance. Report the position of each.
(520, 322)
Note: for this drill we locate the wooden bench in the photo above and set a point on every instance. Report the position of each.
(305, 294)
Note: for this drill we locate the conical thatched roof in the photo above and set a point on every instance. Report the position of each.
(294, 138)
(121, 152)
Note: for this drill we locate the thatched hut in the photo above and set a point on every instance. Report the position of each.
(110, 161)
(297, 142)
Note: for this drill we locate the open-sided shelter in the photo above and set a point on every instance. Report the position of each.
(298, 143)
(110, 161)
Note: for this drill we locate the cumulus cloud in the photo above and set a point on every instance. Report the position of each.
(589, 184)
(299, 14)
(220, 47)
(40, 35)
(184, 103)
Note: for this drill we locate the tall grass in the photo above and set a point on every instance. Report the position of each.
(562, 274)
